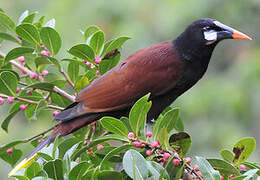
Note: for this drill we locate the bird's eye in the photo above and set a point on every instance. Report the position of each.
(207, 28)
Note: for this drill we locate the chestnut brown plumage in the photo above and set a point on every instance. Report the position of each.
(166, 70)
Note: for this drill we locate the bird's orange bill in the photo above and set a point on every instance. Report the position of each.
(239, 35)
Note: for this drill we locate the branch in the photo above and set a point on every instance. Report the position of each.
(67, 78)
(56, 89)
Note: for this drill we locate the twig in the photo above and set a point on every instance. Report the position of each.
(67, 78)
(27, 71)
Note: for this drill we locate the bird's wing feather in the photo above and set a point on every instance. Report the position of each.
(147, 70)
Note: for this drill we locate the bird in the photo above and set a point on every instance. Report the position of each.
(165, 70)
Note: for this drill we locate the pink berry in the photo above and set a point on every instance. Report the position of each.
(158, 141)
(98, 60)
(154, 144)
(149, 152)
(84, 61)
(100, 147)
(88, 64)
(33, 75)
(176, 162)
(188, 160)
(137, 144)
(161, 163)
(29, 92)
(242, 167)
(44, 72)
(97, 73)
(221, 177)
(40, 140)
(23, 107)
(18, 90)
(1, 101)
(93, 128)
(92, 124)
(9, 151)
(166, 156)
(21, 59)
(10, 99)
(45, 53)
(196, 167)
(131, 135)
(231, 176)
(55, 113)
(149, 134)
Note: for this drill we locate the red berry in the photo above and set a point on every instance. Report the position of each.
(149, 152)
(18, 90)
(29, 92)
(45, 53)
(242, 167)
(21, 59)
(100, 147)
(40, 140)
(131, 135)
(231, 176)
(137, 144)
(23, 107)
(166, 156)
(93, 128)
(98, 60)
(97, 73)
(88, 64)
(161, 163)
(221, 177)
(176, 162)
(44, 72)
(1, 101)
(10, 100)
(33, 75)
(149, 134)
(154, 144)
(188, 160)
(196, 167)
(84, 61)
(9, 151)
(55, 113)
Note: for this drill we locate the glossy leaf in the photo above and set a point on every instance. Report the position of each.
(138, 113)
(8, 37)
(54, 169)
(66, 145)
(243, 149)
(227, 155)
(28, 32)
(33, 170)
(207, 170)
(78, 171)
(81, 83)
(19, 177)
(135, 165)
(7, 120)
(51, 23)
(156, 170)
(83, 51)
(97, 41)
(8, 83)
(35, 96)
(181, 142)
(163, 137)
(51, 39)
(108, 174)
(107, 64)
(12, 158)
(6, 21)
(114, 44)
(43, 86)
(59, 100)
(223, 167)
(17, 52)
(114, 125)
(73, 71)
(23, 16)
(90, 31)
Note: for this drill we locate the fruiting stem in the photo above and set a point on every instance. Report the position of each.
(67, 78)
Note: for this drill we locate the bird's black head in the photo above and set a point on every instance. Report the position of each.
(200, 37)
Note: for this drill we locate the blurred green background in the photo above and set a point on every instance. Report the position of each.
(222, 108)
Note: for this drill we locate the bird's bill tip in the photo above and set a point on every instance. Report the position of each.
(239, 35)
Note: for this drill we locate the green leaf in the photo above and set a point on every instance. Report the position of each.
(223, 167)
(207, 170)
(33, 170)
(90, 31)
(156, 170)
(138, 113)
(181, 142)
(8, 37)
(107, 64)
(29, 18)
(83, 51)
(55, 62)
(19, 177)
(54, 169)
(51, 39)
(59, 100)
(227, 155)
(114, 44)
(97, 42)
(43, 86)
(13, 158)
(23, 16)
(82, 64)
(250, 174)
(113, 153)
(4, 147)
(28, 32)
(163, 136)
(114, 125)
(170, 119)
(73, 71)
(6, 22)
(8, 83)
(66, 145)
(81, 83)
(108, 174)
(17, 75)
(78, 171)
(35, 96)
(45, 156)
(17, 52)
(51, 23)
(243, 149)
(135, 165)
(7, 120)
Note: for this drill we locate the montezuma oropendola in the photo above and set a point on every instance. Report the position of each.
(166, 70)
